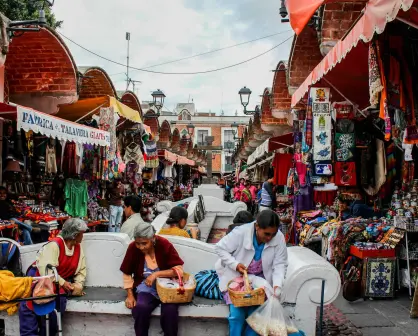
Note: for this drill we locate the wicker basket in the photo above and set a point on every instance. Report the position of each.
(247, 298)
(177, 295)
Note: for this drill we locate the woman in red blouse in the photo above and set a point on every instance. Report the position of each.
(149, 257)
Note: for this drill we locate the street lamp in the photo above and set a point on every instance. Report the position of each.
(158, 100)
(244, 95)
(234, 127)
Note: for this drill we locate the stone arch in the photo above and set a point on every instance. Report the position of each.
(153, 123)
(95, 82)
(265, 108)
(165, 135)
(130, 99)
(304, 57)
(281, 99)
(40, 71)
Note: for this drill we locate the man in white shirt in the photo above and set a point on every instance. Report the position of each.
(132, 208)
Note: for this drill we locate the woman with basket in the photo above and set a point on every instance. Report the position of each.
(150, 257)
(257, 248)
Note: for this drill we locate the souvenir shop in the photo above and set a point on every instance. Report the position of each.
(46, 163)
(354, 175)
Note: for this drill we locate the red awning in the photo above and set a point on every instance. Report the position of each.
(280, 141)
(181, 160)
(301, 11)
(167, 155)
(376, 15)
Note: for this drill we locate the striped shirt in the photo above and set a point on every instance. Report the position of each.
(266, 200)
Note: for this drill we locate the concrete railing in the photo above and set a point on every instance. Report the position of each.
(105, 313)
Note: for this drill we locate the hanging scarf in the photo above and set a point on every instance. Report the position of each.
(384, 111)
(375, 83)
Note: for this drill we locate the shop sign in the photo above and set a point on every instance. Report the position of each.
(38, 122)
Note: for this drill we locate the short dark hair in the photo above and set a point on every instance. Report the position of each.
(268, 218)
(3, 188)
(176, 215)
(134, 202)
(243, 217)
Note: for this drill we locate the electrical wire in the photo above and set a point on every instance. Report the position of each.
(210, 51)
(177, 73)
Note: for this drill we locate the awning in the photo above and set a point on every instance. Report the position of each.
(167, 155)
(301, 11)
(280, 141)
(271, 145)
(268, 160)
(86, 107)
(376, 15)
(31, 120)
(181, 160)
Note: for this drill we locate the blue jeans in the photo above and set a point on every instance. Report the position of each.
(237, 324)
(115, 220)
(26, 230)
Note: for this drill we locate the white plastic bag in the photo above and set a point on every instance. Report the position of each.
(269, 319)
(290, 325)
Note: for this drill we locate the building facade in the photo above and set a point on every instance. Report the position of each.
(206, 124)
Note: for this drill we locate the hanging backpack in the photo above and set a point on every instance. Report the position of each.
(207, 285)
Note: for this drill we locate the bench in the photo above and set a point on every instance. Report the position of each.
(102, 311)
(216, 213)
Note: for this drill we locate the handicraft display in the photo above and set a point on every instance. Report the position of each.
(378, 277)
(319, 98)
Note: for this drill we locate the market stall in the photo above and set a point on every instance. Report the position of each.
(43, 159)
(354, 178)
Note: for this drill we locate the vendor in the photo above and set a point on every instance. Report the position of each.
(258, 248)
(115, 196)
(176, 222)
(66, 254)
(148, 258)
(7, 212)
(132, 209)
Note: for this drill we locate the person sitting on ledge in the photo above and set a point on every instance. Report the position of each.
(150, 257)
(66, 254)
(176, 223)
(132, 208)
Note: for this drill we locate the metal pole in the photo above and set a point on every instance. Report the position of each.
(128, 38)
(321, 308)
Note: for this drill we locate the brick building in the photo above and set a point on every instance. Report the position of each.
(174, 124)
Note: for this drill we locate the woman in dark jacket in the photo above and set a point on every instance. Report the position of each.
(150, 257)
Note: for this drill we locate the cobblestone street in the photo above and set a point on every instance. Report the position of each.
(370, 318)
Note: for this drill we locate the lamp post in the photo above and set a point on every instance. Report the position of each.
(158, 100)
(244, 95)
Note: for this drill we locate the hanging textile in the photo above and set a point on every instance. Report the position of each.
(282, 164)
(151, 159)
(375, 82)
(69, 163)
(384, 110)
(107, 122)
(76, 198)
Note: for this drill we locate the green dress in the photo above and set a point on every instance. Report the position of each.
(76, 198)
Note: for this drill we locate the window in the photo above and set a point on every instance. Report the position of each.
(229, 142)
(201, 137)
(228, 166)
(185, 115)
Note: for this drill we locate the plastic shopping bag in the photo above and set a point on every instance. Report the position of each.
(291, 326)
(269, 319)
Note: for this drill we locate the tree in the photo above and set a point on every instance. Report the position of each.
(27, 10)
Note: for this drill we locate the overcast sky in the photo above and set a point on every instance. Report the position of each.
(165, 30)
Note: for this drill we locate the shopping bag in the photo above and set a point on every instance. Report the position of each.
(207, 285)
(269, 319)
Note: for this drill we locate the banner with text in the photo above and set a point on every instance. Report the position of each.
(48, 125)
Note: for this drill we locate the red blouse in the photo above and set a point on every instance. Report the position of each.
(165, 254)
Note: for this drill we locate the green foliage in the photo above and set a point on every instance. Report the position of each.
(26, 10)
